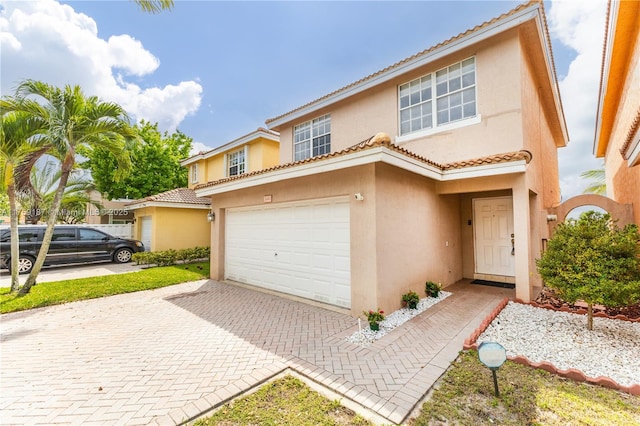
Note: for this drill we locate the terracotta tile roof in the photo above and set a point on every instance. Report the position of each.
(179, 195)
(383, 140)
(425, 52)
(493, 159)
(633, 129)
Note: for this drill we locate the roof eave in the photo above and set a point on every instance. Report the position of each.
(167, 204)
(231, 145)
(526, 14)
(359, 158)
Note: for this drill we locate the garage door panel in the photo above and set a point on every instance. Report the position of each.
(312, 245)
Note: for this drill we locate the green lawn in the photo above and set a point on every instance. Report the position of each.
(58, 292)
(464, 396)
(286, 401)
(528, 396)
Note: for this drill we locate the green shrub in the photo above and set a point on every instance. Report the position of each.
(432, 289)
(171, 256)
(411, 300)
(593, 260)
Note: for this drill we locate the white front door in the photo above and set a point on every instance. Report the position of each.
(145, 232)
(300, 248)
(493, 234)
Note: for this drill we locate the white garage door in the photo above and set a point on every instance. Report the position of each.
(301, 249)
(145, 235)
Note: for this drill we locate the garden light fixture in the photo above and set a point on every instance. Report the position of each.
(492, 355)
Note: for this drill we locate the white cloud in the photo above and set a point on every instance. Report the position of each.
(580, 26)
(50, 42)
(197, 147)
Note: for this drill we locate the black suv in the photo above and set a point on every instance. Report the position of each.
(69, 244)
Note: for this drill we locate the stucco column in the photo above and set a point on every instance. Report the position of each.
(217, 245)
(521, 230)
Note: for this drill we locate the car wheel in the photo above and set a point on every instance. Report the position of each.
(122, 255)
(25, 264)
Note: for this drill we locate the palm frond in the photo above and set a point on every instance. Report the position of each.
(154, 6)
(598, 178)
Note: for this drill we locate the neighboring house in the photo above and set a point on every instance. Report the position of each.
(455, 183)
(174, 219)
(111, 211)
(617, 136)
(252, 152)
(178, 218)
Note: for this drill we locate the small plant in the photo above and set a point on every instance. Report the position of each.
(410, 300)
(374, 318)
(432, 289)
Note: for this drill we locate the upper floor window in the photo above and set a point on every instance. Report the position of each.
(455, 97)
(236, 163)
(312, 138)
(194, 173)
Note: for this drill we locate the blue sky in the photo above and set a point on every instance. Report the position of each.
(218, 70)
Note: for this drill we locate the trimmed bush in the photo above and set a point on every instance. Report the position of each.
(171, 256)
(594, 260)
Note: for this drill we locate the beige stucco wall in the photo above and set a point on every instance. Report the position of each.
(498, 63)
(174, 228)
(418, 234)
(623, 182)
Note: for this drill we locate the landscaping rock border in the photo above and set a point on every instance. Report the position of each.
(573, 374)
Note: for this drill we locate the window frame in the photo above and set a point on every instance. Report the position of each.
(316, 134)
(436, 97)
(242, 166)
(194, 173)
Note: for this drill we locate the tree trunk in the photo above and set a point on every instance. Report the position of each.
(590, 316)
(67, 166)
(15, 243)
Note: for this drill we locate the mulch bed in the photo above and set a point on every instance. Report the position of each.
(547, 295)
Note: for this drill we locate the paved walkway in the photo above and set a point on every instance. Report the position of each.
(70, 272)
(164, 356)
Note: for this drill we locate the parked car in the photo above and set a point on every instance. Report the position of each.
(69, 244)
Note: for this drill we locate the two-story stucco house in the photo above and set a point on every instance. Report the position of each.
(178, 218)
(618, 118)
(439, 167)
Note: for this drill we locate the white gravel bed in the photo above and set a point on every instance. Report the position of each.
(366, 336)
(611, 349)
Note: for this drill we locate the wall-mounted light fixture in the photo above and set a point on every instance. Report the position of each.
(211, 216)
(359, 196)
(552, 218)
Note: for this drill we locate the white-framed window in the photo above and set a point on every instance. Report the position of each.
(312, 138)
(454, 97)
(236, 164)
(194, 173)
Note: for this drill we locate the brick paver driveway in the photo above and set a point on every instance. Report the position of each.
(166, 355)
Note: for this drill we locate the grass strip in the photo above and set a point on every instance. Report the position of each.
(528, 396)
(58, 292)
(285, 401)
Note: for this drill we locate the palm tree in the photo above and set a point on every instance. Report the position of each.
(15, 150)
(154, 6)
(73, 121)
(75, 198)
(598, 184)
